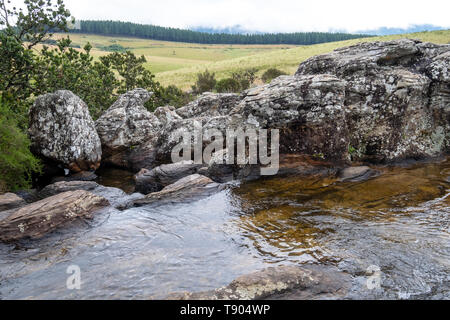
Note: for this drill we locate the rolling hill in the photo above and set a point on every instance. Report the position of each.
(178, 63)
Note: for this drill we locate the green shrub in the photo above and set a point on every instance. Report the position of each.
(17, 163)
(206, 82)
(172, 96)
(114, 48)
(228, 85)
(245, 78)
(271, 74)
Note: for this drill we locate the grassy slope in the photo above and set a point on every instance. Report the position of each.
(284, 59)
(167, 56)
(178, 63)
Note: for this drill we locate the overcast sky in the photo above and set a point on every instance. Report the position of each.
(269, 15)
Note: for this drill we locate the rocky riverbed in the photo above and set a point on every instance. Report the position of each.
(358, 208)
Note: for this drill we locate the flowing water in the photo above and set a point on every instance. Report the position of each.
(398, 222)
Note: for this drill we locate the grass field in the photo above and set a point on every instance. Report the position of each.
(178, 63)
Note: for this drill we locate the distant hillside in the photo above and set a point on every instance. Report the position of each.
(286, 60)
(116, 28)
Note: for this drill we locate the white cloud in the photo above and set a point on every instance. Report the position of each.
(269, 15)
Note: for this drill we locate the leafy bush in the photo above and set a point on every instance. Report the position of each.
(271, 74)
(65, 68)
(114, 48)
(245, 77)
(172, 96)
(206, 82)
(228, 85)
(17, 164)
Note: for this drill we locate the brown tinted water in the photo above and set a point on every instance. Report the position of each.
(398, 221)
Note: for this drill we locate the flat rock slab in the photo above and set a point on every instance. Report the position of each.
(284, 282)
(37, 219)
(184, 189)
(9, 201)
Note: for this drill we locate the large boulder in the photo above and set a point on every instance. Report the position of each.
(37, 219)
(61, 130)
(126, 125)
(209, 105)
(308, 111)
(376, 102)
(397, 97)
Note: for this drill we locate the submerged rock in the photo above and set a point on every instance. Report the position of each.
(279, 283)
(357, 174)
(125, 125)
(61, 130)
(37, 219)
(155, 180)
(188, 188)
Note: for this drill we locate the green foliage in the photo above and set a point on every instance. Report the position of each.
(271, 74)
(245, 78)
(22, 30)
(172, 96)
(17, 164)
(34, 24)
(179, 35)
(96, 82)
(228, 85)
(206, 82)
(132, 74)
(16, 65)
(131, 71)
(70, 69)
(114, 48)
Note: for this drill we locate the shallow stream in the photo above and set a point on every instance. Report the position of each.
(398, 221)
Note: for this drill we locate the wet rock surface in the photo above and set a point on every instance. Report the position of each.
(10, 201)
(37, 219)
(117, 198)
(80, 176)
(186, 189)
(148, 181)
(280, 283)
(397, 222)
(61, 130)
